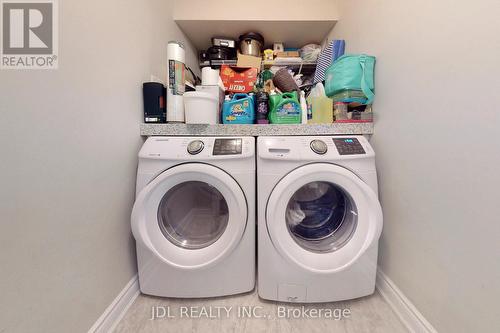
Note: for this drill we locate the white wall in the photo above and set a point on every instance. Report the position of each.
(436, 134)
(292, 22)
(287, 10)
(69, 144)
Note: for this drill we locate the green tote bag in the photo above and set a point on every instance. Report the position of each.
(352, 72)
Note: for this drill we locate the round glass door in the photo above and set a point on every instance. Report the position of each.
(190, 216)
(193, 215)
(321, 217)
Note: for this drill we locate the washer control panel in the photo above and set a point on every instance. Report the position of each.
(319, 147)
(195, 147)
(227, 147)
(348, 146)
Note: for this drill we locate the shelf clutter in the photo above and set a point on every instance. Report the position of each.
(247, 81)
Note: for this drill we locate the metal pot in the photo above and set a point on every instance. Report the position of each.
(251, 44)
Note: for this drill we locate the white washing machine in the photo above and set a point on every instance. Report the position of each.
(319, 218)
(194, 216)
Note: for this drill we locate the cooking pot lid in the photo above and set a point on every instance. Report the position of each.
(253, 35)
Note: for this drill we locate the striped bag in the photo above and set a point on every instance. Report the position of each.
(334, 50)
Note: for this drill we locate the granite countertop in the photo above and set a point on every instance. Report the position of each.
(255, 130)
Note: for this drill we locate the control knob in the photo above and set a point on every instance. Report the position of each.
(319, 147)
(195, 147)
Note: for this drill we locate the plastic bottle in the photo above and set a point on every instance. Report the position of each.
(262, 107)
(239, 110)
(303, 106)
(285, 108)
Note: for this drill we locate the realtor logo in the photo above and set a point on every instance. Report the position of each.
(29, 34)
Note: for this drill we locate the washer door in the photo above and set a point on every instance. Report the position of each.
(190, 216)
(322, 217)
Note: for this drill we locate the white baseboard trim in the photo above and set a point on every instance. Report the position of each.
(116, 310)
(401, 305)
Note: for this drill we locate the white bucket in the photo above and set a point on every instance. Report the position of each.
(201, 108)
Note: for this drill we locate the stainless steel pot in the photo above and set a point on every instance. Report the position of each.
(251, 44)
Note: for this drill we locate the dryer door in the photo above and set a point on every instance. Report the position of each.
(322, 217)
(190, 216)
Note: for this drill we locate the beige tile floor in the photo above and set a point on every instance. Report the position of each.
(368, 314)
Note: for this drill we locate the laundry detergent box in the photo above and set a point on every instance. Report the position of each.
(239, 109)
(238, 79)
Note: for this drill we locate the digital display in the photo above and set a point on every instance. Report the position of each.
(227, 147)
(348, 146)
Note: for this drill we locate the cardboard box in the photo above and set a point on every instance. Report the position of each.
(288, 54)
(249, 61)
(237, 79)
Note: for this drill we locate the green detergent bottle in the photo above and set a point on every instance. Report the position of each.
(285, 108)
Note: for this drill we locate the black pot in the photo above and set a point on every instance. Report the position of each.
(220, 53)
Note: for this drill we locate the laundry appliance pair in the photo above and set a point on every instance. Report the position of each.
(318, 217)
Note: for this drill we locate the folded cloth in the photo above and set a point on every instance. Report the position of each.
(295, 215)
(334, 50)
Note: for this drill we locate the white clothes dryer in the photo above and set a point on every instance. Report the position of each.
(194, 216)
(319, 218)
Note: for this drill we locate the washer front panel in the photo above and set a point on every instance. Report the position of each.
(193, 215)
(203, 250)
(367, 213)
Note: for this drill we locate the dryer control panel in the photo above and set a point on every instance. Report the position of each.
(198, 148)
(348, 146)
(227, 146)
(315, 148)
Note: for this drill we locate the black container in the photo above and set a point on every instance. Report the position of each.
(155, 97)
(220, 53)
(262, 107)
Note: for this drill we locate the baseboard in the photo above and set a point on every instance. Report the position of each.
(401, 305)
(116, 310)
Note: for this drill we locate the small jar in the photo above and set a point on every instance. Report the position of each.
(340, 111)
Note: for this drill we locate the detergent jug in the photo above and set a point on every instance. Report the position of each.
(239, 110)
(285, 108)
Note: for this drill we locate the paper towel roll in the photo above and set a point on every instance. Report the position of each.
(209, 76)
(175, 81)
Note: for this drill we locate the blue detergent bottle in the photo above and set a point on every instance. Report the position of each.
(239, 110)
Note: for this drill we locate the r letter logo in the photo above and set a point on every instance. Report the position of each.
(29, 34)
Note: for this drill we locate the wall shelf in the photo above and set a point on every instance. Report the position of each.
(255, 130)
(294, 24)
(291, 33)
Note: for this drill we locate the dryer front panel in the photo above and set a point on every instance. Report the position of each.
(322, 217)
(190, 216)
(193, 215)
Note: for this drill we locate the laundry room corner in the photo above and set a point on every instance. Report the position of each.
(433, 144)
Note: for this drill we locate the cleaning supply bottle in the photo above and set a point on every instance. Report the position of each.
(262, 107)
(303, 106)
(322, 110)
(285, 108)
(239, 110)
(319, 106)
